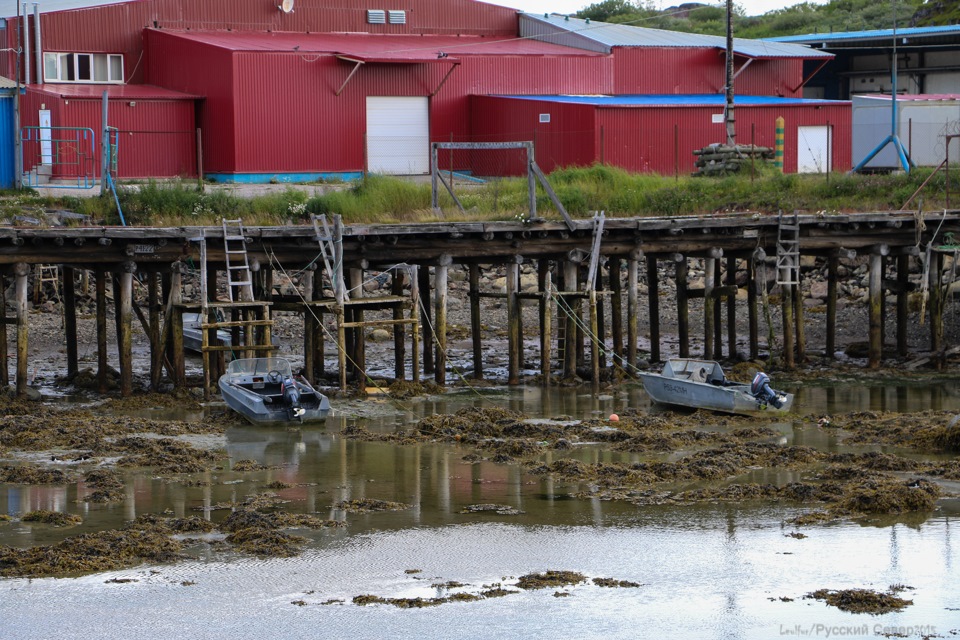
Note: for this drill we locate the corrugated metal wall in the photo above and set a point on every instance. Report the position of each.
(568, 139)
(281, 111)
(156, 137)
(662, 139)
(7, 163)
(117, 28)
(647, 139)
(676, 70)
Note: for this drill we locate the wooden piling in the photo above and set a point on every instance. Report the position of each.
(514, 343)
(426, 323)
(709, 269)
(570, 282)
(732, 308)
(125, 338)
(359, 354)
(309, 328)
(786, 306)
(22, 271)
(399, 333)
(616, 311)
(653, 305)
(440, 279)
(683, 306)
(415, 333)
(595, 343)
(598, 334)
(633, 309)
(546, 326)
(903, 303)
(476, 328)
(935, 282)
(69, 318)
(100, 275)
(833, 266)
(176, 326)
(801, 332)
(875, 351)
(753, 288)
(4, 360)
(543, 308)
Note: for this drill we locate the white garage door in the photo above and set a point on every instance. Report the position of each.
(813, 149)
(398, 135)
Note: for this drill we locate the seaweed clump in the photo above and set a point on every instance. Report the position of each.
(549, 579)
(861, 600)
(53, 518)
(367, 505)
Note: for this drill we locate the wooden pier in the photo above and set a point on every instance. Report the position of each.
(582, 268)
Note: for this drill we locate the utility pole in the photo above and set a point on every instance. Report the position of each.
(730, 120)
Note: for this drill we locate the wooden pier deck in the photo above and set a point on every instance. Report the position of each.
(576, 294)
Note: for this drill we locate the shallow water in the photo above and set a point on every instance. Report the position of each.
(707, 570)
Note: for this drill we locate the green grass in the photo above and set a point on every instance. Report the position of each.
(380, 199)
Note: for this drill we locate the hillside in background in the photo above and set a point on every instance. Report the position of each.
(802, 18)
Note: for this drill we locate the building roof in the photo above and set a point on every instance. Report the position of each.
(671, 100)
(553, 28)
(876, 37)
(375, 47)
(7, 83)
(922, 97)
(114, 91)
(8, 8)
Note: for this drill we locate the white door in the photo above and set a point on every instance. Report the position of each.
(46, 139)
(813, 149)
(398, 135)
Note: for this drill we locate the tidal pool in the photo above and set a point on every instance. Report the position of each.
(706, 571)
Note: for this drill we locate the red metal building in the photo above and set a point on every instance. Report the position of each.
(339, 88)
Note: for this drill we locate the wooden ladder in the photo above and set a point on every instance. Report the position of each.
(239, 280)
(788, 249)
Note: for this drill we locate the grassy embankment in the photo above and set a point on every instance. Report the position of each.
(379, 199)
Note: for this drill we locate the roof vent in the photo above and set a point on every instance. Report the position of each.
(376, 16)
(397, 17)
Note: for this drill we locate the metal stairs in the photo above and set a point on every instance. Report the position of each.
(788, 249)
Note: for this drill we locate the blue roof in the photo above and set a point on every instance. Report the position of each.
(670, 100)
(838, 36)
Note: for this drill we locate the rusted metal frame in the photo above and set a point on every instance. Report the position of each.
(443, 81)
(810, 77)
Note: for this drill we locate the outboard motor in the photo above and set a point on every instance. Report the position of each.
(760, 388)
(291, 397)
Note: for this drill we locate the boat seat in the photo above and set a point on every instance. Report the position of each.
(699, 374)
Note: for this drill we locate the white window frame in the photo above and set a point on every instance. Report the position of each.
(62, 62)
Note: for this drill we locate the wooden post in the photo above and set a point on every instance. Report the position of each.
(717, 309)
(514, 344)
(399, 335)
(543, 309)
(934, 279)
(426, 326)
(440, 279)
(801, 333)
(732, 309)
(788, 325)
(683, 307)
(598, 334)
(616, 311)
(22, 271)
(125, 339)
(833, 265)
(101, 295)
(570, 283)
(309, 324)
(546, 327)
(753, 315)
(709, 270)
(176, 326)
(476, 327)
(4, 360)
(595, 342)
(415, 333)
(633, 310)
(359, 337)
(341, 346)
(153, 312)
(653, 303)
(875, 351)
(69, 318)
(903, 303)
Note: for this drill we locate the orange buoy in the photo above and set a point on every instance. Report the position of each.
(614, 417)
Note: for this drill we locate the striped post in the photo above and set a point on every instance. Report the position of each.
(778, 145)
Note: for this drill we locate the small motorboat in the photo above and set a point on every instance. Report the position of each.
(701, 384)
(265, 391)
